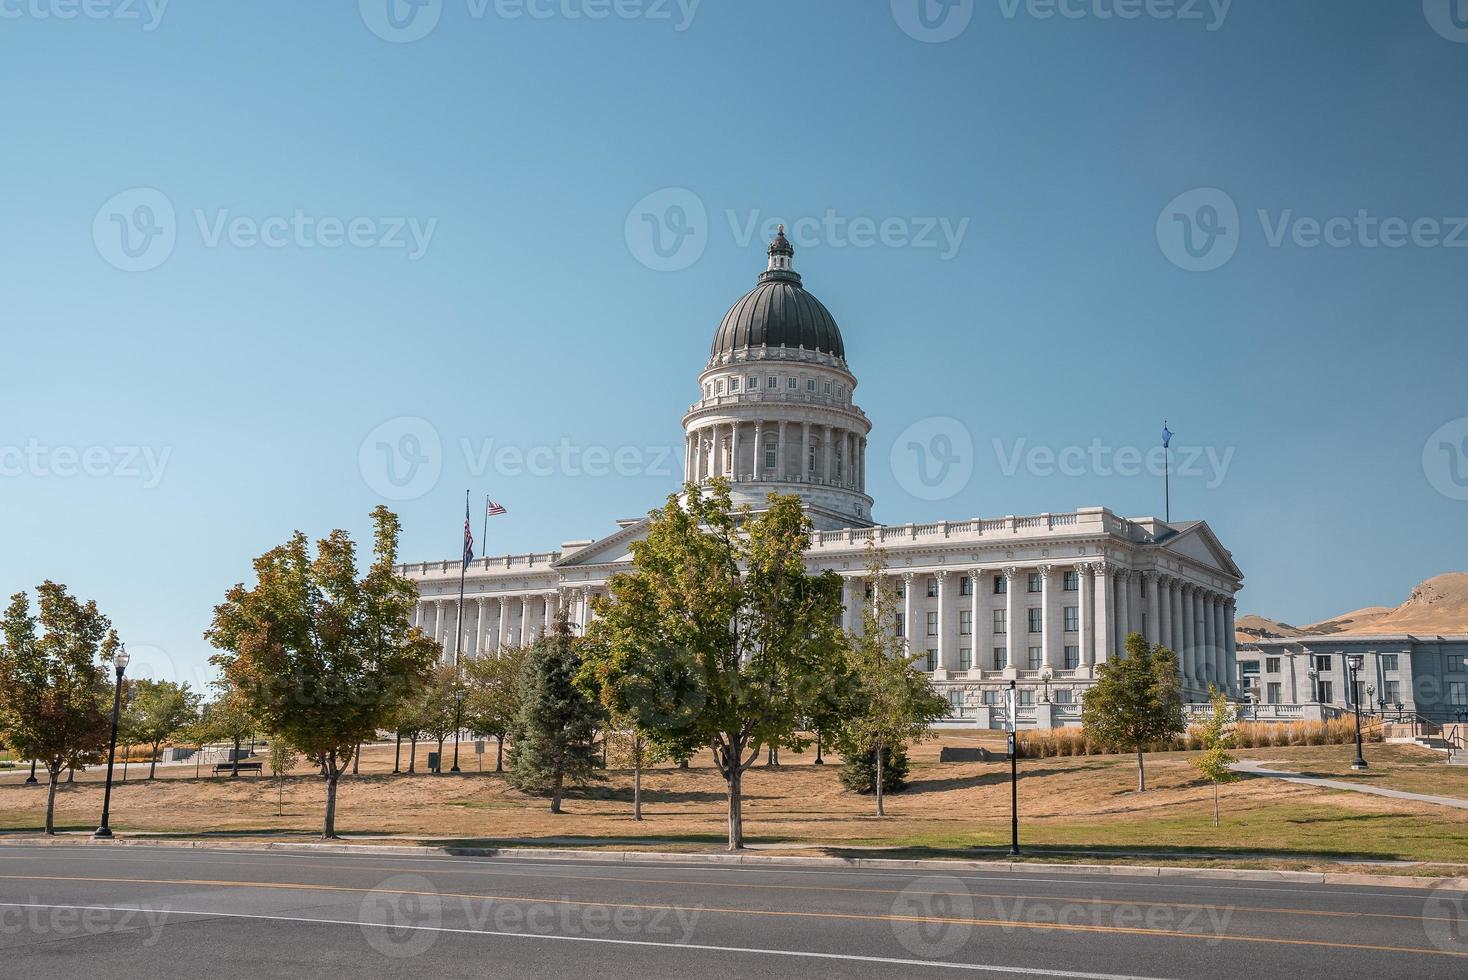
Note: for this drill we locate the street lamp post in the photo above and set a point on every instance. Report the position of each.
(458, 721)
(1355, 662)
(1253, 706)
(1013, 724)
(1045, 674)
(1314, 676)
(119, 661)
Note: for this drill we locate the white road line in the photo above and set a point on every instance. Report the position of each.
(801, 954)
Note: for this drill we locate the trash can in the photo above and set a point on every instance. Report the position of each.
(433, 762)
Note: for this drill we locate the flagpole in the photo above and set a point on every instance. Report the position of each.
(463, 569)
(1166, 480)
(483, 542)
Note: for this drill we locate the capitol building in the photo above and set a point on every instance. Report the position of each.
(1041, 600)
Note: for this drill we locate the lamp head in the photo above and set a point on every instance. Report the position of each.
(120, 659)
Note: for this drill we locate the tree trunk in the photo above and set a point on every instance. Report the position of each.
(735, 780)
(413, 754)
(357, 758)
(499, 753)
(70, 774)
(234, 759)
(1141, 772)
(557, 788)
(881, 811)
(636, 782)
(328, 831)
(153, 761)
(51, 801)
(397, 754)
(1215, 804)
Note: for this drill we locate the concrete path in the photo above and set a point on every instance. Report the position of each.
(1256, 769)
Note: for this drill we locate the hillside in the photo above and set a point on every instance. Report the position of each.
(1438, 605)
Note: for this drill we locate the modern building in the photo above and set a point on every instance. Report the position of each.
(1041, 599)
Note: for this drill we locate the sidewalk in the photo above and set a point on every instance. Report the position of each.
(1252, 768)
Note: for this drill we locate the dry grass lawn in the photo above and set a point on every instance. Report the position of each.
(1081, 804)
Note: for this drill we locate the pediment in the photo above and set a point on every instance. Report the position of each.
(1198, 543)
(614, 549)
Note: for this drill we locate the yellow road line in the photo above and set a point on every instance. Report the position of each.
(768, 913)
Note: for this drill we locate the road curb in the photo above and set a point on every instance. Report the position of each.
(935, 865)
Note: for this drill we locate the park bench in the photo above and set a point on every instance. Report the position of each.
(225, 768)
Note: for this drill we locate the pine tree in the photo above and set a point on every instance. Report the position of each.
(1137, 701)
(555, 732)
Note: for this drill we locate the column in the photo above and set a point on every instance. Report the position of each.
(1164, 611)
(1123, 579)
(418, 614)
(850, 605)
(1088, 612)
(804, 467)
(1189, 652)
(734, 473)
(1230, 647)
(781, 451)
(525, 620)
(1012, 626)
(504, 622)
(861, 473)
(1175, 594)
(1049, 610)
(826, 469)
(759, 450)
(982, 640)
(585, 607)
(1152, 583)
(716, 465)
(944, 652)
(1220, 646)
(479, 622)
(1105, 620)
(1208, 667)
(907, 624)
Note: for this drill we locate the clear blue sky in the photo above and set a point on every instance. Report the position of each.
(530, 320)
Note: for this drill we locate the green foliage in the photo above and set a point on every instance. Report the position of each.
(1137, 701)
(1217, 737)
(55, 688)
(889, 701)
(555, 731)
(719, 636)
(859, 770)
(321, 657)
(158, 710)
(492, 688)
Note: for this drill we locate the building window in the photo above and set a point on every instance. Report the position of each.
(721, 386)
(1072, 657)
(932, 587)
(1072, 581)
(1458, 692)
(792, 383)
(1033, 582)
(1001, 622)
(1027, 698)
(733, 384)
(1064, 696)
(826, 388)
(770, 452)
(708, 390)
(1271, 693)
(1037, 620)
(1249, 666)
(1001, 585)
(810, 385)
(815, 447)
(1391, 692)
(1072, 619)
(991, 698)
(841, 393)
(772, 382)
(1327, 692)
(965, 658)
(932, 624)
(1036, 658)
(753, 385)
(965, 622)
(1389, 661)
(902, 588)
(965, 586)
(901, 625)
(1271, 665)
(999, 658)
(955, 702)
(932, 662)
(1322, 663)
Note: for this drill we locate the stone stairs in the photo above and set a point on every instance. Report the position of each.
(1458, 757)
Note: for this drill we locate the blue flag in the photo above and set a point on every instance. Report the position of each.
(1166, 437)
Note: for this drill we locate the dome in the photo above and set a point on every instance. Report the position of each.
(778, 312)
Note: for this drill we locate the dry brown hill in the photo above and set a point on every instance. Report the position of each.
(1439, 605)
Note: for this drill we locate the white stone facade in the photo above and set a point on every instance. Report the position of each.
(1039, 600)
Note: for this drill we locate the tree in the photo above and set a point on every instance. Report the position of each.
(226, 719)
(555, 732)
(283, 759)
(1218, 737)
(159, 710)
(722, 630)
(891, 702)
(55, 695)
(492, 696)
(321, 656)
(434, 708)
(1137, 701)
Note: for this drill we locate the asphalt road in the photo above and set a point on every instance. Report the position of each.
(143, 912)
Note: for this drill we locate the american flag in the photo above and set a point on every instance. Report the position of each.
(492, 509)
(468, 536)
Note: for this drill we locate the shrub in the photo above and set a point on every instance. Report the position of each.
(859, 771)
